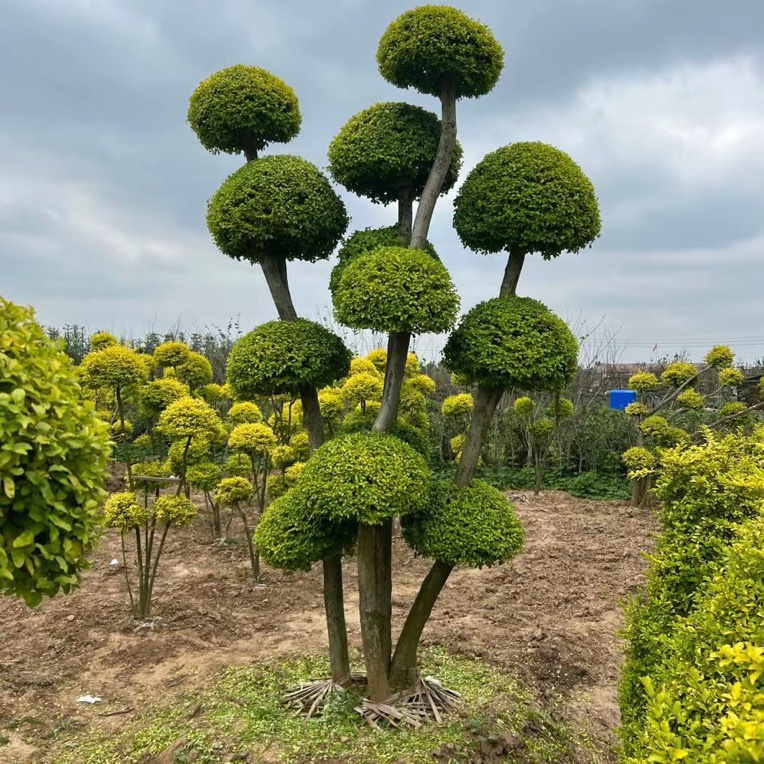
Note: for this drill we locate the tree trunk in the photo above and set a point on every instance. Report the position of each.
(397, 353)
(334, 605)
(485, 403)
(275, 272)
(440, 166)
(405, 214)
(403, 672)
(375, 605)
(311, 417)
(512, 273)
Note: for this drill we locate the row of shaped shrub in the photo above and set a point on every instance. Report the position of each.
(692, 687)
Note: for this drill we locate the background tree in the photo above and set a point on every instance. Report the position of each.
(53, 461)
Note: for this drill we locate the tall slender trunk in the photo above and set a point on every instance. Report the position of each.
(334, 605)
(375, 605)
(121, 410)
(405, 213)
(397, 353)
(403, 671)
(275, 272)
(485, 403)
(512, 272)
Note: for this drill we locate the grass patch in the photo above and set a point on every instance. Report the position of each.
(243, 714)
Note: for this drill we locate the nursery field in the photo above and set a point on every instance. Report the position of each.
(542, 630)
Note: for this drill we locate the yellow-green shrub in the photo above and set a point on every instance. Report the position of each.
(53, 457)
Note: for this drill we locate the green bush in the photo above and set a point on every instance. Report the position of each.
(432, 43)
(113, 367)
(53, 458)
(513, 342)
(158, 394)
(291, 537)
(706, 491)
(189, 417)
(366, 477)
(280, 206)
(285, 356)
(705, 699)
(360, 243)
(528, 197)
(243, 108)
(386, 148)
(474, 526)
(395, 289)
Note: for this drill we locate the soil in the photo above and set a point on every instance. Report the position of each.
(551, 618)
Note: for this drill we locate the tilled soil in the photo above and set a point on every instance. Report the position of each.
(550, 617)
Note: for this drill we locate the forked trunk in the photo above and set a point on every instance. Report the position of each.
(375, 605)
(403, 671)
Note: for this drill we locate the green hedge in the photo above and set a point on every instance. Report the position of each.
(691, 655)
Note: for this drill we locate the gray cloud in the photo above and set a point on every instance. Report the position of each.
(103, 187)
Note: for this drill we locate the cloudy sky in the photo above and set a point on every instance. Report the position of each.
(103, 187)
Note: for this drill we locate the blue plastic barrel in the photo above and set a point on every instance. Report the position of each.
(620, 399)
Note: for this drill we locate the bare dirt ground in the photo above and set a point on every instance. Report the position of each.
(551, 617)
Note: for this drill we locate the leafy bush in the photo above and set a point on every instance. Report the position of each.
(513, 342)
(541, 202)
(387, 147)
(53, 456)
(395, 289)
(474, 526)
(284, 356)
(432, 43)
(243, 108)
(280, 206)
(706, 491)
(366, 477)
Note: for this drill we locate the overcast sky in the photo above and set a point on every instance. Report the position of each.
(103, 186)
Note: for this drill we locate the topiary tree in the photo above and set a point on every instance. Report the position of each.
(54, 452)
(123, 512)
(278, 208)
(205, 476)
(237, 493)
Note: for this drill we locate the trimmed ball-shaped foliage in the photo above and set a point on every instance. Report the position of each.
(189, 418)
(561, 408)
(245, 412)
(431, 44)
(636, 409)
(195, 371)
(638, 458)
(654, 426)
(332, 404)
(363, 366)
(158, 394)
(123, 511)
(152, 469)
(174, 510)
(233, 491)
(643, 380)
(732, 408)
(523, 406)
(238, 465)
(386, 148)
(362, 387)
(102, 340)
(474, 526)
(284, 356)
(54, 452)
(213, 393)
(413, 367)
(243, 108)
(720, 356)
(424, 384)
(367, 477)
(379, 358)
(301, 445)
(204, 476)
(253, 438)
(528, 197)
(691, 399)
(291, 537)
(172, 353)
(457, 405)
(360, 243)
(678, 372)
(731, 377)
(283, 456)
(513, 342)
(395, 289)
(280, 206)
(114, 366)
(541, 428)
